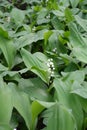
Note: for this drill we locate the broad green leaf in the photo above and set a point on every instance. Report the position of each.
(68, 59)
(5, 127)
(37, 108)
(76, 39)
(35, 65)
(69, 100)
(71, 67)
(78, 43)
(78, 76)
(84, 104)
(28, 39)
(58, 13)
(7, 47)
(18, 15)
(57, 112)
(43, 21)
(6, 104)
(74, 3)
(42, 13)
(46, 104)
(8, 50)
(46, 36)
(3, 32)
(81, 22)
(41, 17)
(57, 24)
(68, 15)
(35, 88)
(81, 90)
(11, 75)
(54, 43)
(21, 103)
(3, 68)
(65, 2)
(43, 58)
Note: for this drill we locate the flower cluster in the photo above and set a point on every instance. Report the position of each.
(51, 67)
(55, 50)
(48, 16)
(8, 19)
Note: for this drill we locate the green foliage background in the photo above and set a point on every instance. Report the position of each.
(43, 64)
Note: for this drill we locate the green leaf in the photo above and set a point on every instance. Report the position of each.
(3, 68)
(54, 43)
(35, 65)
(3, 32)
(46, 36)
(57, 112)
(69, 15)
(74, 3)
(65, 2)
(37, 108)
(84, 104)
(7, 48)
(33, 86)
(46, 104)
(6, 104)
(77, 75)
(81, 90)
(78, 43)
(69, 100)
(18, 15)
(58, 13)
(5, 127)
(81, 22)
(30, 38)
(57, 24)
(21, 103)
(41, 18)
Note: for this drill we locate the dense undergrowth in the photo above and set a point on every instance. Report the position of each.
(43, 64)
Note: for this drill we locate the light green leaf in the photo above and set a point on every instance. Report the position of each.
(79, 46)
(57, 24)
(28, 39)
(81, 22)
(69, 15)
(3, 68)
(55, 44)
(21, 103)
(58, 13)
(74, 3)
(33, 86)
(46, 36)
(37, 108)
(18, 15)
(35, 65)
(3, 32)
(5, 127)
(65, 2)
(46, 104)
(7, 48)
(69, 100)
(81, 90)
(59, 118)
(78, 75)
(6, 104)
(75, 37)
(84, 104)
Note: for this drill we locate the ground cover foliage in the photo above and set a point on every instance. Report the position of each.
(43, 64)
